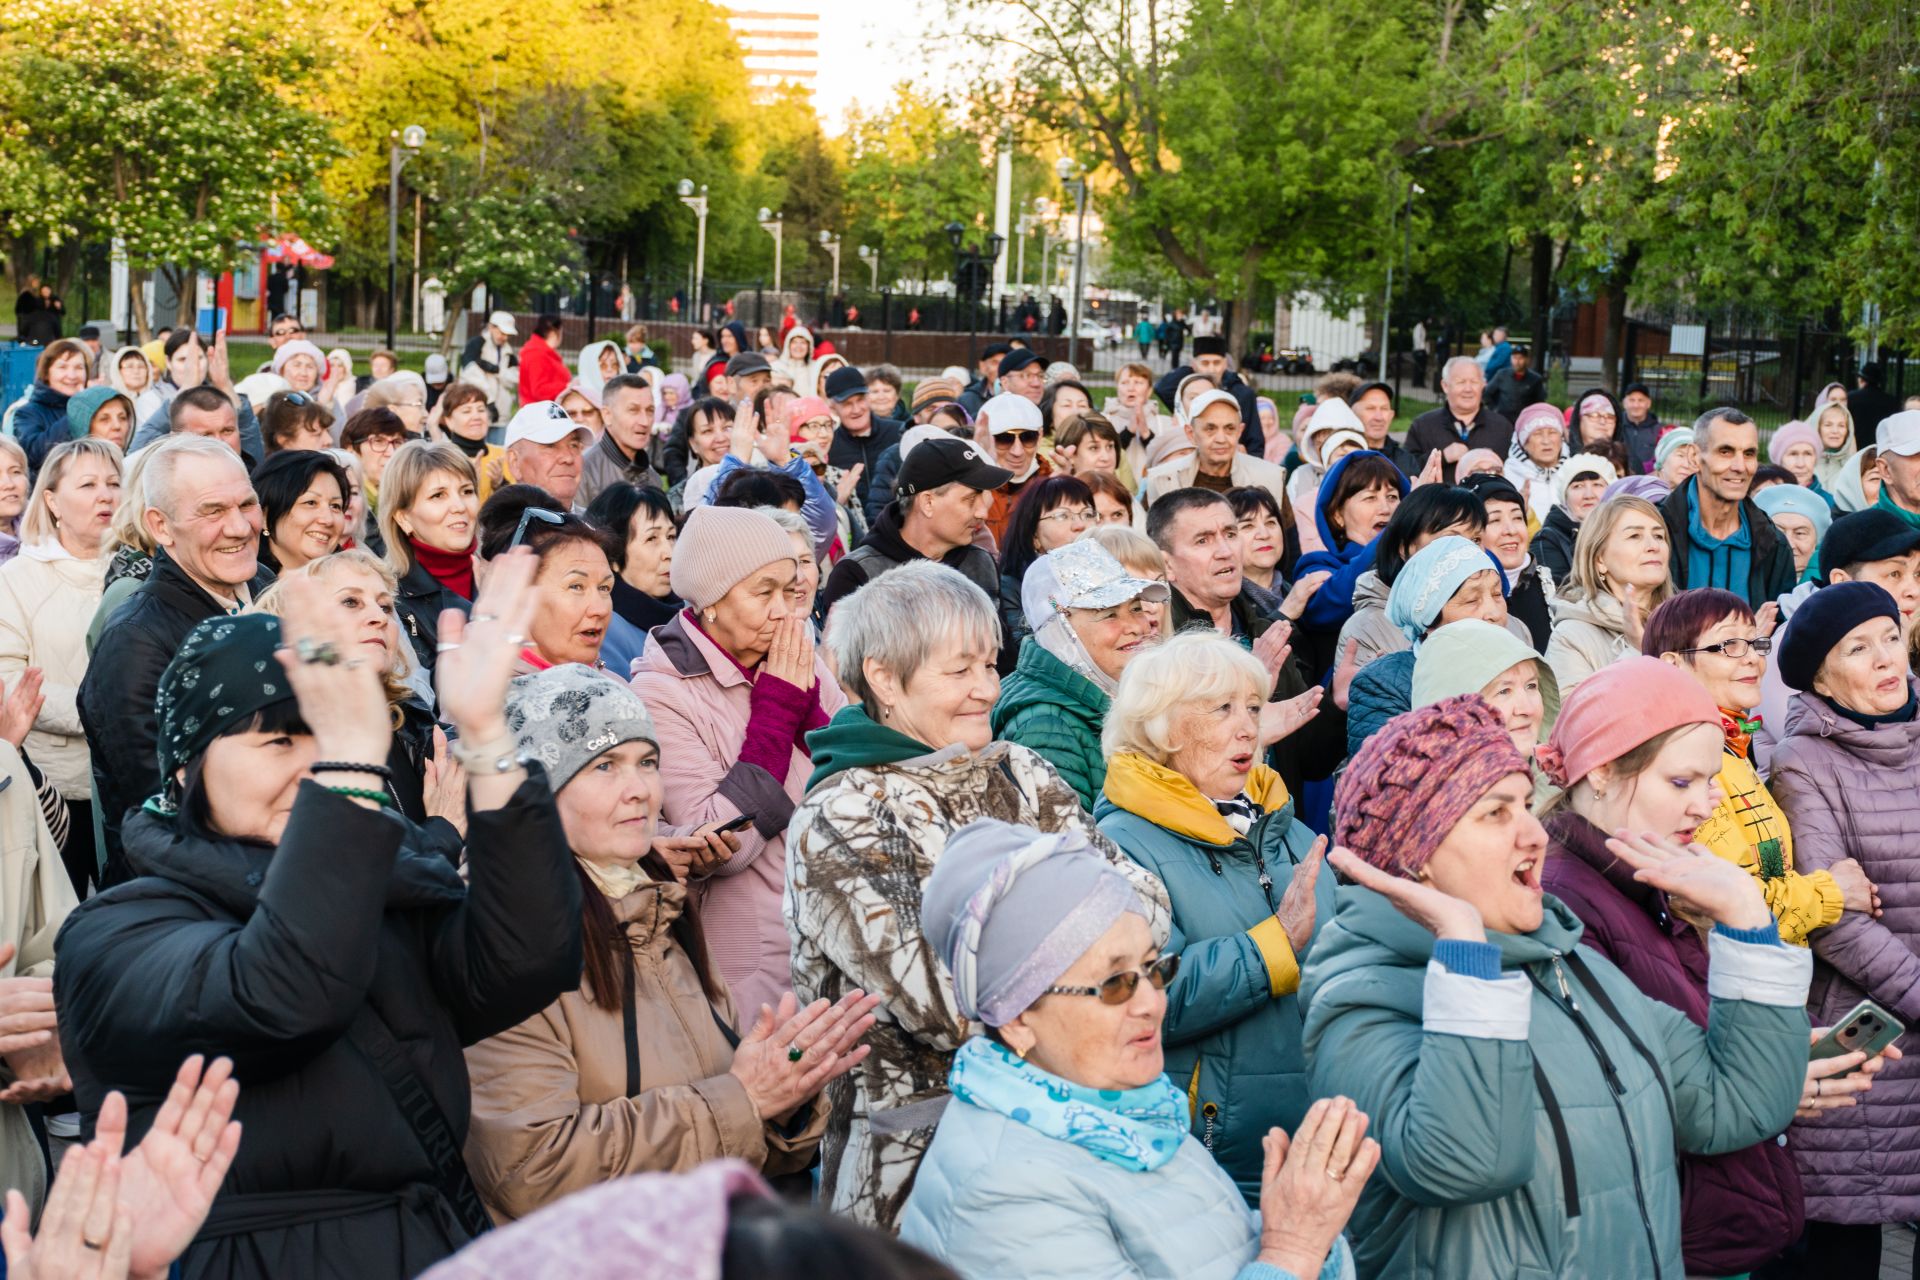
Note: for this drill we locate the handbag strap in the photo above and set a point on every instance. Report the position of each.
(1569, 1180)
(369, 1034)
(1600, 997)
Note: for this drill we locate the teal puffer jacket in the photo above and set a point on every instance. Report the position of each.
(1552, 1155)
(1056, 713)
(1231, 1043)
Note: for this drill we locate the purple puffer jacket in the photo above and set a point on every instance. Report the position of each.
(1736, 1210)
(1851, 792)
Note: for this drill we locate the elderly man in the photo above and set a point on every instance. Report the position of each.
(1013, 423)
(547, 448)
(620, 455)
(1716, 535)
(1023, 373)
(860, 438)
(200, 508)
(1375, 404)
(1464, 422)
(490, 363)
(1217, 462)
(750, 373)
(1898, 465)
(1210, 361)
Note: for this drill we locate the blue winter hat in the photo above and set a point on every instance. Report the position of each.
(1429, 580)
(1793, 500)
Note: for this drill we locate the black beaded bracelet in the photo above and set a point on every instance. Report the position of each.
(342, 766)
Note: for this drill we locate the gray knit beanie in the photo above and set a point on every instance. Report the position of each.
(718, 547)
(565, 716)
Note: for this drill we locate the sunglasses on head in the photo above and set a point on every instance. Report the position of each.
(300, 398)
(1120, 987)
(1028, 438)
(529, 515)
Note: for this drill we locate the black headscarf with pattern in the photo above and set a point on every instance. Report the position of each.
(223, 674)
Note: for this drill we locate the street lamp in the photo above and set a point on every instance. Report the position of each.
(872, 259)
(403, 146)
(775, 225)
(1386, 309)
(1028, 222)
(697, 203)
(1066, 169)
(831, 243)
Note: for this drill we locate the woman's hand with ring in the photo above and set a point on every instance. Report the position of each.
(1309, 1185)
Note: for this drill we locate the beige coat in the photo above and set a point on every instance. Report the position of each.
(35, 897)
(47, 598)
(1247, 470)
(551, 1113)
(1587, 635)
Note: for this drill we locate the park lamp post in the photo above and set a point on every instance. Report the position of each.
(403, 145)
(697, 203)
(830, 241)
(1066, 170)
(775, 225)
(872, 259)
(1025, 228)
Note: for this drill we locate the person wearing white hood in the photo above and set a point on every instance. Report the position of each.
(598, 361)
(1215, 425)
(1539, 445)
(796, 363)
(1303, 486)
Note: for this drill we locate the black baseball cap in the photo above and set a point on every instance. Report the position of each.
(1018, 359)
(844, 383)
(1489, 487)
(947, 460)
(1864, 537)
(993, 349)
(1365, 387)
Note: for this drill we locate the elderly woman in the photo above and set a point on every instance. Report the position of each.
(103, 413)
(735, 685)
(1051, 512)
(1796, 447)
(1527, 1095)
(1429, 512)
(1090, 619)
(1843, 776)
(1801, 516)
(1448, 579)
(464, 424)
(1620, 574)
(429, 507)
(48, 594)
(640, 1070)
(1636, 749)
(268, 848)
(1064, 1151)
(894, 776)
(574, 585)
(1474, 656)
(1713, 636)
(1186, 798)
(644, 533)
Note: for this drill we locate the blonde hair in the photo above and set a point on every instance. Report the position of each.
(37, 524)
(1136, 552)
(129, 527)
(394, 679)
(412, 464)
(1585, 581)
(1197, 666)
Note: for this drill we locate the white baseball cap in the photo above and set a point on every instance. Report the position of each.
(1010, 411)
(503, 321)
(1900, 433)
(1207, 399)
(543, 422)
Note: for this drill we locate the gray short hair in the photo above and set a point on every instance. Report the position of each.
(157, 482)
(901, 617)
(1446, 370)
(789, 521)
(1726, 413)
(1199, 666)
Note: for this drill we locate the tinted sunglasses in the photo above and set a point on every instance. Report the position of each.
(1027, 438)
(1120, 987)
(529, 515)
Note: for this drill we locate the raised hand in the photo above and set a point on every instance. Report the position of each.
(445, 784)
(1440, 914)
(1344, 672)
(1633, 615)
(219, 367)
(1297, 908)
(22, 706)
(1273, 647)
(1697, 881)
(169, 1181)
(341, 696)
(1767, 617)
(1309, 1186)
(1302, 591)
(1431, 473)
(478, 653)
(823, 1036)
(745, 430)
(85, 1233)
(1279, 720)
(849, 482)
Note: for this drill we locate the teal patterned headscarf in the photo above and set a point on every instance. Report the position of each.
(224, 673)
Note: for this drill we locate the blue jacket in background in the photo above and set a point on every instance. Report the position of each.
(1332, 604)
(1382, 690)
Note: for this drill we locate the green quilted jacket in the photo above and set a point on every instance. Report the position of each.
(1054, 711)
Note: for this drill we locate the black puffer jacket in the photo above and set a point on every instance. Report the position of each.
(1553, 545)
(419, 601)
(292, 960)
(116, 696)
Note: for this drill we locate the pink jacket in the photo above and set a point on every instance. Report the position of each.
(700, 702)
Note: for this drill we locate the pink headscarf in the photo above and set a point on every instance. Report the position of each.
(1616, 709)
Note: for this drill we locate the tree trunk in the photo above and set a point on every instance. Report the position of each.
(137, 302)
(1243, 310)
(1616, 318)
(1540, 300)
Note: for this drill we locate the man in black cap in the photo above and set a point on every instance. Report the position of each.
(1022, 373)
(980, 390)
(860, 438)
(939, 505)
(1639, 429)
(1875, 546)
(1516, 386)
(749, 373)
(1210, 359)
(1375, 405)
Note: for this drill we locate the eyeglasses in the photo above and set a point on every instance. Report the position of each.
(1737, 647)
(1027, 438)
(288, 332)
(381, 444)
(1120, 987)
(531, 514)
(1072, 515)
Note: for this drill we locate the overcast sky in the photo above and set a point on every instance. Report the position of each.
(868, 46)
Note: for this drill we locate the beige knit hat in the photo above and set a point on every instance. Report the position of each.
(718, 547)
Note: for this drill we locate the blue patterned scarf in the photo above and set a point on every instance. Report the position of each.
(1138, 1129)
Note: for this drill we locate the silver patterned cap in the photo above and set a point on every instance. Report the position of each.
(1082, 575)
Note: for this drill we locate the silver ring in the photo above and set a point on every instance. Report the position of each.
(486, 617)
(319, 652)
(516, 639)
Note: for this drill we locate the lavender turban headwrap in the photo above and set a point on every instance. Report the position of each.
(1010, 909)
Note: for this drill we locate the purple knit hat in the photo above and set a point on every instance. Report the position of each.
(1408, 785)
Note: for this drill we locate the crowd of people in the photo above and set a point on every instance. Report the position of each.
(557, 816)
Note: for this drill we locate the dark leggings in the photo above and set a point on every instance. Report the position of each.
(1832, 1251)
(77, 854)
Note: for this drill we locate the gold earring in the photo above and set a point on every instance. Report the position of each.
(708, 615)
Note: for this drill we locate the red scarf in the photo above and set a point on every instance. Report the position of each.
(451, 569)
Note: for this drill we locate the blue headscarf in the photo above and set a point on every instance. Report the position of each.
(1429, 580)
